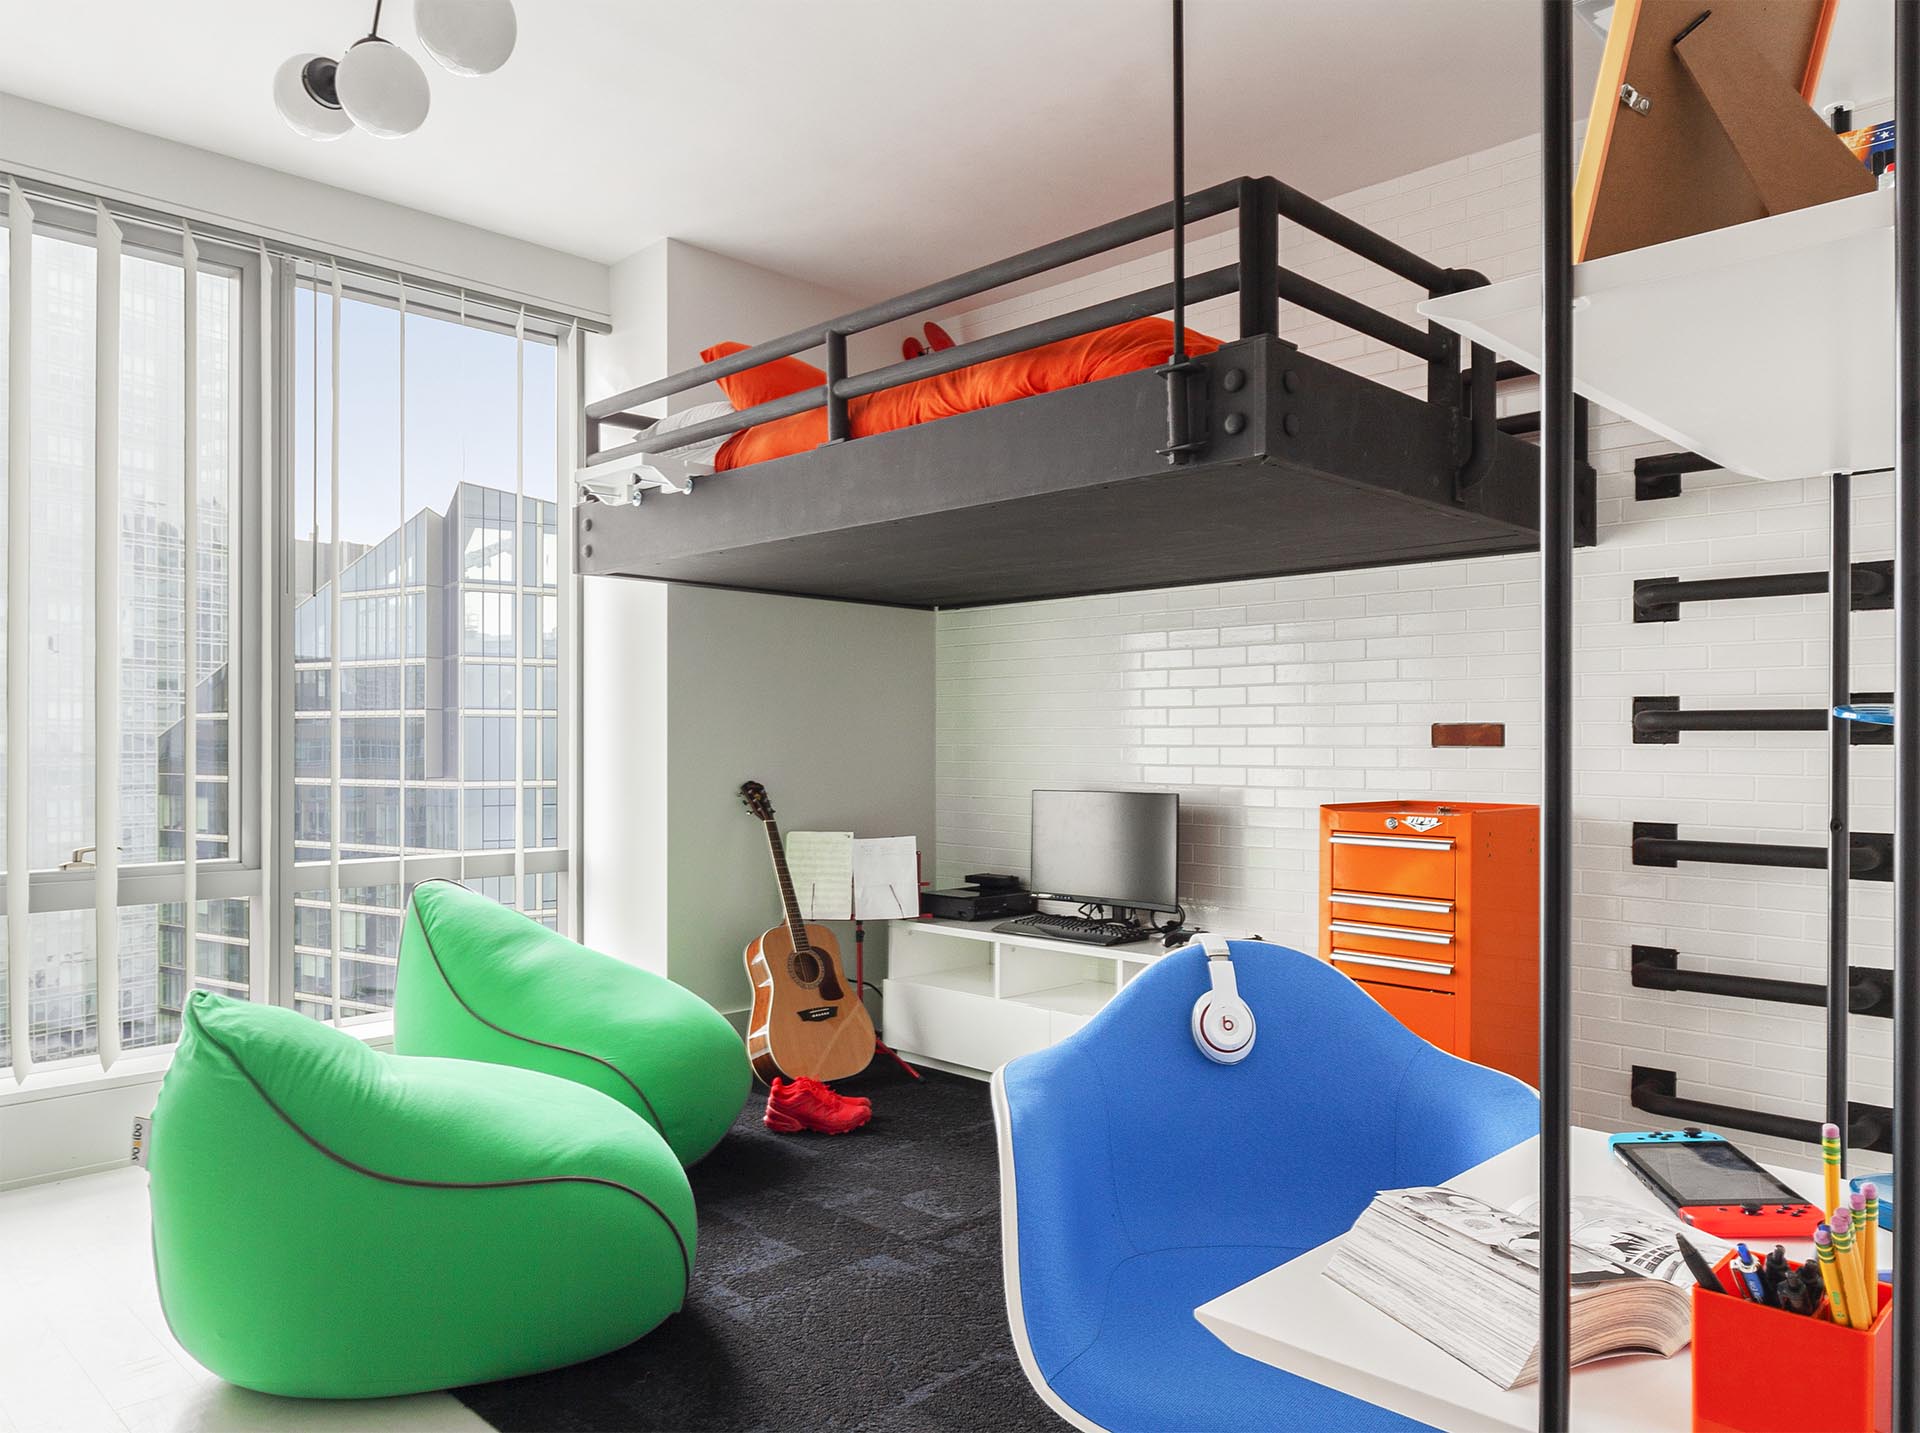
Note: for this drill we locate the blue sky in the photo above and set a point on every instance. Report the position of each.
(459, 415)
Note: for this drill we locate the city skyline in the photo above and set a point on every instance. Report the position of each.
(431, 635)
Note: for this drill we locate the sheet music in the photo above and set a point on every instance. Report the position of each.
(821, 865)
(886, 878)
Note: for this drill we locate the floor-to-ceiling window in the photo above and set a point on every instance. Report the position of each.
(282, 623)
(427, 734)
(123, 402)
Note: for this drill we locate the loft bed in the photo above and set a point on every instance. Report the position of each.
(1253, 460)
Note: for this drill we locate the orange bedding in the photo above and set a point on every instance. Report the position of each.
(1107, 353)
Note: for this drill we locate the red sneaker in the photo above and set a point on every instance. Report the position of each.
(805, 1104)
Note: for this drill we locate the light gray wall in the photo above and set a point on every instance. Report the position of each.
(90, 154)
(624, 733)
(827, 704)
(689, 692)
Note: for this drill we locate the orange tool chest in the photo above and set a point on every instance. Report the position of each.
(1434, 908)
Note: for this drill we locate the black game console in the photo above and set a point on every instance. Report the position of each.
(973, 903)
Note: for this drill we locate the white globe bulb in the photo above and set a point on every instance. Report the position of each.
(294, 98)
(469, 37)
(383, 89)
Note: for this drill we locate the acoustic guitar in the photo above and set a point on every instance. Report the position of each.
(807, 1022)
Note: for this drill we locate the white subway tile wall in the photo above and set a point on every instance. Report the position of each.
(1258, 701)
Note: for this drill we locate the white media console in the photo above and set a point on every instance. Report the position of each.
(962, 998)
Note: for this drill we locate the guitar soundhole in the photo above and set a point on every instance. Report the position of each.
(805, 967)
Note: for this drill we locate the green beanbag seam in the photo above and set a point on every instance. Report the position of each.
(413, 914)
(686, 1267)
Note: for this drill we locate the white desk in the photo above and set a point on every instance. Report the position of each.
(1297, 1319)
(963, 997)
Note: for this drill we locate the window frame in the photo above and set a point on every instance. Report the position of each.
(292, 880)
(242, 874)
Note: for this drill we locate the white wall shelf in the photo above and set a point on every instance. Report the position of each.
(1767, 347)
(964, 998)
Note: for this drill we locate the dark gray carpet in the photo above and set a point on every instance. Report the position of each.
(845, 1283)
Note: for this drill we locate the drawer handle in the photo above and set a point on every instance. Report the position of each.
(1393, 962)
(1398, 843)
(1392, 932)
(1391, 903)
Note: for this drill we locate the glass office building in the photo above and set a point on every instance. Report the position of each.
(447, 643)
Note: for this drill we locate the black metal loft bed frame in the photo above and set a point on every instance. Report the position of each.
(1273, 461)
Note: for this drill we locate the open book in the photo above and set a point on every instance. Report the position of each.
(1465, 1276)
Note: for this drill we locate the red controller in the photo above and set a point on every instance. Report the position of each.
(1753, 1221)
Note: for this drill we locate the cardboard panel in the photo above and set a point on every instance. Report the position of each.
(1672, 168)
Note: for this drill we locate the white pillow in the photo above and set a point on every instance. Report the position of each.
(695, 459)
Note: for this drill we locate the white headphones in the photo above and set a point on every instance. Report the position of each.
(1222, 1024)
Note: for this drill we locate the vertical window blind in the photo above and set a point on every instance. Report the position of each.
(288, 621)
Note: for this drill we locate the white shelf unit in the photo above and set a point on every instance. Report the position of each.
(1767, 347)
(960, 997)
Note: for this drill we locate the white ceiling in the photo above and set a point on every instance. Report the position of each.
(864, 144)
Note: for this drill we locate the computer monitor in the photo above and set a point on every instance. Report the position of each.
(1113, 848)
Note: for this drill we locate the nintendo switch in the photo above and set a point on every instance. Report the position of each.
(1714, 1187)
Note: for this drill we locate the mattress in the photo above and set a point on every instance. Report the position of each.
(1088, 358)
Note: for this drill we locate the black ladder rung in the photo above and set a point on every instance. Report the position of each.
(1657, 1092)
(1658, 474)
(1658, 599)
(1658, 843)
(1658, 721)
(1657, 967)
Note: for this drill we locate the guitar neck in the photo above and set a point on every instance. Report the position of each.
(789, 902)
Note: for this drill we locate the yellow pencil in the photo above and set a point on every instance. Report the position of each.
(1830, 1276)
(1861, 1307)
(1830, 1165)
(1869, 1223)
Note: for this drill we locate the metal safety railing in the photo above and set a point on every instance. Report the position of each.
(1256, 276)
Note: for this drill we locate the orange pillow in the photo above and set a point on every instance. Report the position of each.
(1105, 353)
(774, 379)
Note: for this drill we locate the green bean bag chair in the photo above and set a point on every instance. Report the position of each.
(332, 1222)
(481, 982)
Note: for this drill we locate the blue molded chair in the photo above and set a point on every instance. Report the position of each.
(1139, 1180)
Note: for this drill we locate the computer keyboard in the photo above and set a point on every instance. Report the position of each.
(1076, 928)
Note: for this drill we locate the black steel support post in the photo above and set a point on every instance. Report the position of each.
(1556, 711)
(1906, 886)
(1839, 768)
(1180, 370)
(1259, 259)
(839, 425)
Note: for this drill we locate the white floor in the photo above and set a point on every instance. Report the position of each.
(84, 1348)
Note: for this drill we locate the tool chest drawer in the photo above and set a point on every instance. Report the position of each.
(1433, 908)
(1378, 908)
(1418, 866)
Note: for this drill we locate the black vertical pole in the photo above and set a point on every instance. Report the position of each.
(1180, 441)
(1906, 695)
(1839, 809)
(1179, 181)
(1556, 703)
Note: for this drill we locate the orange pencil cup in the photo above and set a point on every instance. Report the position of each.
(1758, 1369)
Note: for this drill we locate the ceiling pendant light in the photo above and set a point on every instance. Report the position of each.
(468, 37)
(382, 88)
(304, 93)
(379, 86)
